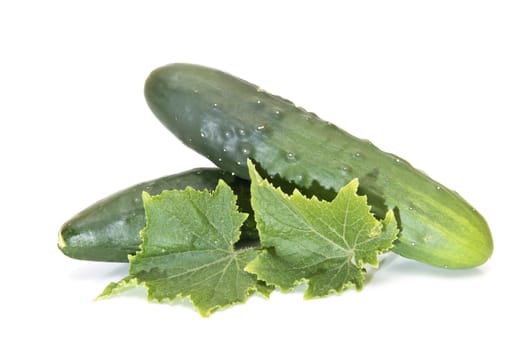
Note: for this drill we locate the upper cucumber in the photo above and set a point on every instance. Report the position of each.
(229, 120)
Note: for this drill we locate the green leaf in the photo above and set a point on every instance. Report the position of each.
(188, 251)
(324, 243)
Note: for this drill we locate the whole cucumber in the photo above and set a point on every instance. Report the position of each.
(229, 120)
(109, 229)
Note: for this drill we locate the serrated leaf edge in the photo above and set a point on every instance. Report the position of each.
(202, 311)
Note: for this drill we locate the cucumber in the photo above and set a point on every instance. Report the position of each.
(229, 120)
(109, 229)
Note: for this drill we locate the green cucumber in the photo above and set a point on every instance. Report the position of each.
(109, 229)
(229, 120)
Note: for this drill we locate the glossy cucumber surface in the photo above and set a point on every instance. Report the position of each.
(109, 229)
(229, 120)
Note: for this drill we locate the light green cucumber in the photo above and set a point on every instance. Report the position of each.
(229, 120)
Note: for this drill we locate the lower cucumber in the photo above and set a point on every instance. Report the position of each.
(109, 229)
(229, 120)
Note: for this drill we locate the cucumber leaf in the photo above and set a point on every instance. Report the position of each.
(188, 251)
(324, 243)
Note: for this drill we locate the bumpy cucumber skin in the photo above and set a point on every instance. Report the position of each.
(229, 120)
(109, 229)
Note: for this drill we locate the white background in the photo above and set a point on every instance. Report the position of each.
(440, 83)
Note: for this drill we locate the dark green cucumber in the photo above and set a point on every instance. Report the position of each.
(229, 120)
(109, 229)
